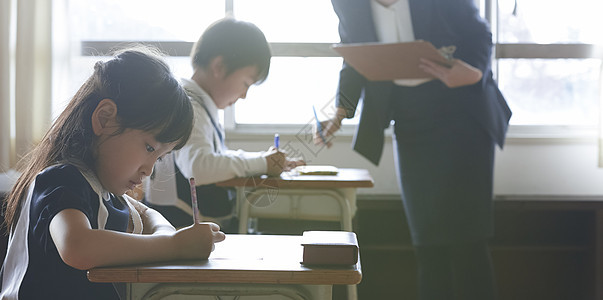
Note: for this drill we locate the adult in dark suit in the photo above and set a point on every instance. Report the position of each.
(445, 130)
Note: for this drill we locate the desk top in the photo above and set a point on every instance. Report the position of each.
(346, 178)
(273, 259)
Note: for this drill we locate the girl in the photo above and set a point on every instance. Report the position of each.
(68, 213)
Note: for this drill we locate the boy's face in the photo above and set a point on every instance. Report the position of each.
(227, 89)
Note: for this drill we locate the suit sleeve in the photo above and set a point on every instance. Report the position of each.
(351, 83)
(473, 32)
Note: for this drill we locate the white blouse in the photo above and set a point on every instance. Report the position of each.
(394, 25)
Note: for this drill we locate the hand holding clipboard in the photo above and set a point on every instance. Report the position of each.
(409, 60)
(391, 61)
(457, 75)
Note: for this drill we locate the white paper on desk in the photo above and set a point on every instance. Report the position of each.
(230, 251)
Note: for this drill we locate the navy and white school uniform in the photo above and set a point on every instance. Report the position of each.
(33, 268)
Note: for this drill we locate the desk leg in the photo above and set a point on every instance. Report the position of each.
(320, 291)
(156, 291)
(243, 210)
(348, 208)
(599, 254)
(345, 197)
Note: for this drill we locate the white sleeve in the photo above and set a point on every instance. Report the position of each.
(199, 159)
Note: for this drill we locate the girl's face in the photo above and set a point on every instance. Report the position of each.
(123, 160)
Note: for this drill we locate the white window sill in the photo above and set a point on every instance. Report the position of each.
(516, 134)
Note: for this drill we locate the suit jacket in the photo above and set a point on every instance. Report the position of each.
(443, 23)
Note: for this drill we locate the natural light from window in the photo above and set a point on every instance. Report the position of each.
(551, 91)
(539, 91)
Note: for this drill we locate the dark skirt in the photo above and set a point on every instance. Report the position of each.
(445, 166)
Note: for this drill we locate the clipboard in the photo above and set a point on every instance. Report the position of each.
(379, 61)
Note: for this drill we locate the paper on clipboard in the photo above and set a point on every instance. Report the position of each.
(379, 61)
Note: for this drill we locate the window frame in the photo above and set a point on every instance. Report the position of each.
(567, 133)
(488, 9)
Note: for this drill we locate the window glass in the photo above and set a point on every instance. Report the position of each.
(81, 67)
(293, 85)
(298, 21)
(550, 21)
(180, 66)
(551, 91)
(158, 20)
(77, 70)
(539, 91)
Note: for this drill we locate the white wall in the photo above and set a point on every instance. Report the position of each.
(548, 168)
(524, 167)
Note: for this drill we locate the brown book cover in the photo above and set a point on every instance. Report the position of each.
(379, 61)
(330, 248)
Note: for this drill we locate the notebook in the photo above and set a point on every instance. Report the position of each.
(317, 170)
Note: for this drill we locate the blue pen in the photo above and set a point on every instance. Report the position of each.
(319, 126)
(276, 141)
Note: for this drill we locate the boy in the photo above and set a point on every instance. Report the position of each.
(228, 58)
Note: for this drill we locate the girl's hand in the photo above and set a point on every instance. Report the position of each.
(197, 241)
(459, 74)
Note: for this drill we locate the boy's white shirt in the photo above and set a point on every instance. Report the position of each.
(201, 158)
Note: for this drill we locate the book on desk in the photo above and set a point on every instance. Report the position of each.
(335, 248)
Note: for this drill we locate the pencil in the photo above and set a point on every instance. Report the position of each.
(194, 201)
(319, 127)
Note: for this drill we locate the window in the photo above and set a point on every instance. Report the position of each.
(304, 71)
(545, 62)
(547, 67)
(92, 28)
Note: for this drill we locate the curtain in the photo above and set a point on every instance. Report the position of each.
(600, 138)
(25, 76)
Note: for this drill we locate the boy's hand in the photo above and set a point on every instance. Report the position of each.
(329, 127)
(276, 162)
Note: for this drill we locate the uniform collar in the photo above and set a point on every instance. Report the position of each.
(95, 184)
(198, 94)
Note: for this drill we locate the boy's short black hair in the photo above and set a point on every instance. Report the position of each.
(240, 43)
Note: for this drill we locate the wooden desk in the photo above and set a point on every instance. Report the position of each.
(261, 194)
(240, 265)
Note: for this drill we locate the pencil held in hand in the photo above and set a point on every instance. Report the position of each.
(194, 201)
(319, 126)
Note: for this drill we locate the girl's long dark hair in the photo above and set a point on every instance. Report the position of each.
(147, 96)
